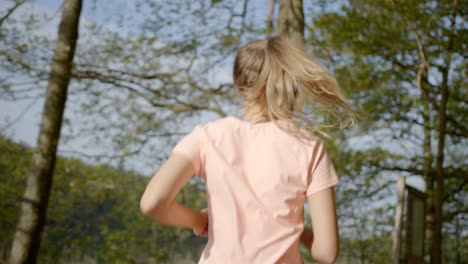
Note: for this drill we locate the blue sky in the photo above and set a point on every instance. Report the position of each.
(20, 119)
(26, 128)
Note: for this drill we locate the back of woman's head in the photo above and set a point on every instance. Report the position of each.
(276, 79)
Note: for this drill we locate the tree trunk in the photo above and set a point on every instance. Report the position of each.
(291, 21)
(441, 129)
(36, 196)
(427, 168)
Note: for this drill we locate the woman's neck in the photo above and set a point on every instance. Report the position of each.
(259, 116)
(255, 115)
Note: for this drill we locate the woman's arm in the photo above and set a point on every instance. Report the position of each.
(158, 200)
(325, 239)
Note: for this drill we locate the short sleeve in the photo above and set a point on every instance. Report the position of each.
(322, 172)
(190, 146)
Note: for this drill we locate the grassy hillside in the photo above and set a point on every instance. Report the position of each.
(93, 214)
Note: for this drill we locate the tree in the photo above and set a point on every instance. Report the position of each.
(402, 63)
(39, 182)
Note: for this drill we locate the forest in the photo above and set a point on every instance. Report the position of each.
(95, 94)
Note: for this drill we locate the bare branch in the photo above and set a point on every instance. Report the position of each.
(450, 215)
(10, 11)
(457, 190)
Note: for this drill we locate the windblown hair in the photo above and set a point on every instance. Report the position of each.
(276, 79)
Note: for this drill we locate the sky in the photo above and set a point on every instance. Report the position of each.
(20, 120)
(26, 114)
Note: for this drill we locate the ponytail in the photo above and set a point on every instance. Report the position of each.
(276, 80)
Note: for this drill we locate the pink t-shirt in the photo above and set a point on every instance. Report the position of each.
(257, 178)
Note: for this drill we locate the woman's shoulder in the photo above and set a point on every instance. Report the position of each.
(220, 122)
(218, 125)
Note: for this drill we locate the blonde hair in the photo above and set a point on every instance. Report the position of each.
(275, 79)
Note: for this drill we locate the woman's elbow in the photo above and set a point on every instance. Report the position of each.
(329, 258)
(325, 255)
(145, 207)
(151, 207)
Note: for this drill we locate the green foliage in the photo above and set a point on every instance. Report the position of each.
(15, 160)
(374, 51)
(93, 213)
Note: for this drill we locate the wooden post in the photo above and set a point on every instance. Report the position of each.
(398, 220)
(415, 226)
